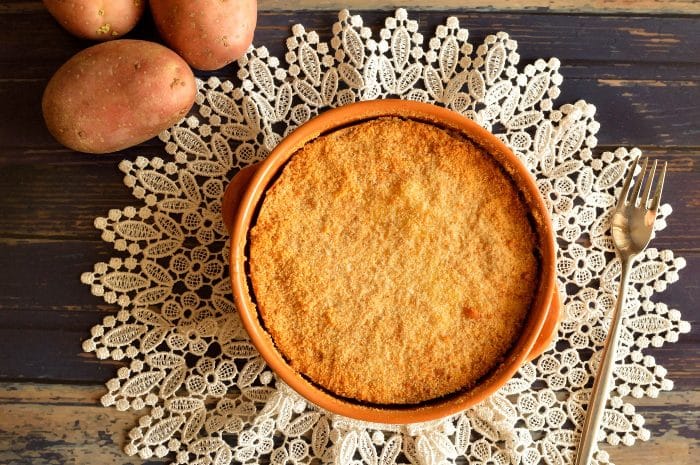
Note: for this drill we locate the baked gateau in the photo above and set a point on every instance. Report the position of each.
(393, 262)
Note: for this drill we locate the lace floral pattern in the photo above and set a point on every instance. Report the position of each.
(208, 397)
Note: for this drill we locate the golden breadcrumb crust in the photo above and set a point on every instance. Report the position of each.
(393, 262)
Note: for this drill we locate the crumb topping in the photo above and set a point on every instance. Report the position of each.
(393, 262)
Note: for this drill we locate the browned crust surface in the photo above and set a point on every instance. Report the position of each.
(393, 262)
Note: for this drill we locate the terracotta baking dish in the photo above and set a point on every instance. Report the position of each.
(247, 190)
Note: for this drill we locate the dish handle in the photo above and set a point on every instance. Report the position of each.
(234, 194)
(549, 328)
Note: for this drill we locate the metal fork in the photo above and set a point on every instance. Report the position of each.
(632, 226)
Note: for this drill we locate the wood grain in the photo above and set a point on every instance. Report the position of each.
(587, 6)
(636, 61)
(665, 7)
(624, 65)
(57, 423)
(553, 6)
(40, 189)
(573, 38)
(675, 422)
(635, 118)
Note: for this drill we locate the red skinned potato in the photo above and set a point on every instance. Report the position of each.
(96, 19)
(208, 34)
(117, 94)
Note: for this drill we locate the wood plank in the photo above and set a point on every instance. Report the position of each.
(51, 355)
(573, 38)
(640, 71)
(57, 194)
(55, 354)
(46, 313)
(553, 6)
(644, 73)
(588, 6)
(45, 275)
(649, 112)
(50, 424)
(674, 422)
(54, 423)
(56, 200)
(629, 111)
(626, 66)
(24, 128)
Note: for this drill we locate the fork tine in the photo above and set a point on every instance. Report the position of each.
(659, 188)
(626, 186)
(638, 182)
(647, 186)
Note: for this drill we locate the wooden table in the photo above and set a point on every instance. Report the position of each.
(640, 67)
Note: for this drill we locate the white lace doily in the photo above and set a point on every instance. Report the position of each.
(208, 397)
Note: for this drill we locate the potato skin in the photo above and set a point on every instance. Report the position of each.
(208, 34)
(96, 19)
(117, 94)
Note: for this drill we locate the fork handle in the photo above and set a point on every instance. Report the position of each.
(601, 386)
